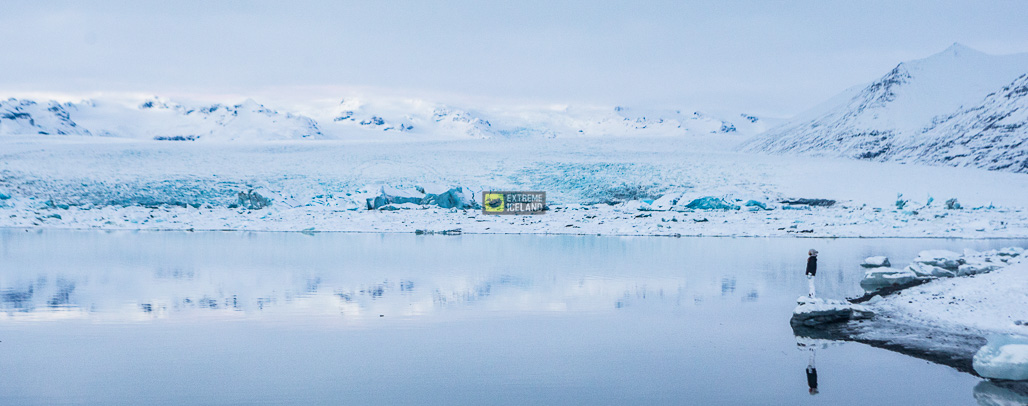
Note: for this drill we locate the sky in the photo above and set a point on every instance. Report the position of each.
(760, 57)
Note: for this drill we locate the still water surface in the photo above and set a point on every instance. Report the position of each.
(284, 318)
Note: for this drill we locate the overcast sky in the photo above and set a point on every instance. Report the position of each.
(763, 57)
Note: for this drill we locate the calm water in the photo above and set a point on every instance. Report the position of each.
(284, 318)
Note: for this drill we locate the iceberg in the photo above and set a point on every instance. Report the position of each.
(711, 203)
(446, 197)
(451, 198)
(876, 262)
(1004, 357)
(883, 277)
(389, 195)
(754, 205)
(253, 200)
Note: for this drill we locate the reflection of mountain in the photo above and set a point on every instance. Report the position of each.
(176, 290)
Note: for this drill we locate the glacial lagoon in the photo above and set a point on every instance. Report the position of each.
(124, 317)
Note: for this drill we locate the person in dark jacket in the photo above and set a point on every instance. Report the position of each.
(811, 269)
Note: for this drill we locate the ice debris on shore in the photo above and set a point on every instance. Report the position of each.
(811, 312)
(937, 264)
(1004, 357)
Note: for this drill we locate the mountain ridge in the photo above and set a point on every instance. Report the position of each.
(353, 118)
(886, 119)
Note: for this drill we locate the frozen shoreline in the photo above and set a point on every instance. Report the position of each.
(990, 303)
(948, 320)
(584, 220)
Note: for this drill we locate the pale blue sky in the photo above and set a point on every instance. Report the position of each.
(762, 57)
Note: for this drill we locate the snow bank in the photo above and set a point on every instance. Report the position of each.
(996, 302)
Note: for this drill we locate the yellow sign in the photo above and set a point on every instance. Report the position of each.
(506, 202)
(493, 202)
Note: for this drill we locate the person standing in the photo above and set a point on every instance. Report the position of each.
(811, 270)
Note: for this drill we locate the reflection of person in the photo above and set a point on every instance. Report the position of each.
(812, 373)
(811, 269)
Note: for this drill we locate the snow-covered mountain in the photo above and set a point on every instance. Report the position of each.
(29, 117)
(356, 118)
(161, 119)
(154, 118)
(888, 119)
(423, 119)
(416, 117)
(992, 134)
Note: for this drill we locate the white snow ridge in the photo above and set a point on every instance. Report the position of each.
(385, 118)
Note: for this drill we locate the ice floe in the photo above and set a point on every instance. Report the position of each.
(1004, 357)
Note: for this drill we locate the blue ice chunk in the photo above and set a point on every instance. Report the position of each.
(711, 203)
(1004, 357)
(754, 203)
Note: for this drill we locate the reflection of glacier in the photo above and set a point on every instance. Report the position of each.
(175, 275)
(141, 295)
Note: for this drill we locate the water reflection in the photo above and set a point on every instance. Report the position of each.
(492, 319)
(160, 293)
(812, 372)
(988, 393)
(805, 342)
